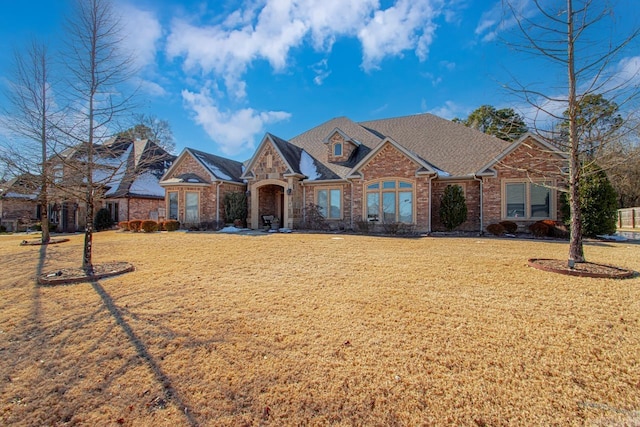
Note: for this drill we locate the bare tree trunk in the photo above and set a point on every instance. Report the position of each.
(576, 251)
(44, 199)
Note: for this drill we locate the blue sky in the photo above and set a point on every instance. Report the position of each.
(224, 72)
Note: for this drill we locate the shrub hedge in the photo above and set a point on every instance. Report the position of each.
(124, 225)
(540, 229)
(496, 229)
(149, 226)
(509, 226)
(134, 225)
(171, 225)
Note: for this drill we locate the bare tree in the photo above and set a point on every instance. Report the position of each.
(570, 36)
(97, 71)
(151, 127)
(29, 118)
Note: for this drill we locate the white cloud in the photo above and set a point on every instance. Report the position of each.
(409, 24)
(150, 88)
(143, 32)
(321, 69)
(233, 131)
(449, 110)
(227, 49)
(500, 18)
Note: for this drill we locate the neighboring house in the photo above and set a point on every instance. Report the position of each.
(126, 176)
(380, 172)
(19, 207)
(195, 187)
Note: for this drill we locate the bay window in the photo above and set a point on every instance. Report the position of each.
(397, 201)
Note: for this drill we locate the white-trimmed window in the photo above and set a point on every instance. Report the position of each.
(173, 205)
(191, 212)
(330, 202)
(337, 149)
(527, 200)
(390, 201)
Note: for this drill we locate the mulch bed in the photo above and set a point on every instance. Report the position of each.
(39, 242)
(66, 276)
(581, 269)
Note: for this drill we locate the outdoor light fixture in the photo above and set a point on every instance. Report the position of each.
(247, 193)
(289, 191)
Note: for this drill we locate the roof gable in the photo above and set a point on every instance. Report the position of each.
(549, 148)
(218, 168)
(422, 166)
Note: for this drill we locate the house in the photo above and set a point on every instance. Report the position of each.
(196, 184)
(126, 174)
(378, 173)
(19, 208)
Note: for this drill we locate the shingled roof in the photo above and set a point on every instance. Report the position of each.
(452, 148)
(219, 167)
(142, 163)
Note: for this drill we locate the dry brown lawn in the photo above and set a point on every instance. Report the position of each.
(305, 329)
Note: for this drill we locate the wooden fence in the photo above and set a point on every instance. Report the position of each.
(629, 218)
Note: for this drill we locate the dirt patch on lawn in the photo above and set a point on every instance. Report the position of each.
(67, 276)
(581, 269)
(39, 242)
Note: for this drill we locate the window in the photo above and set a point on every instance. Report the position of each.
(527, 200)
(397, 201)
(191, 215)
(330, 202)
(58, 173)
(173, 205)
(337, 150)
(113, 208)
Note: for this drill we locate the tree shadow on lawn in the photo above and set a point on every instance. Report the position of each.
(39, 371)
(170, 393)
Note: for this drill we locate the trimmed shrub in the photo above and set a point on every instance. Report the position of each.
(103, 220)
(539, 229)
(509, 226)
(598, 201)
(171, 225)
(124, 225)
(496, 229)
(453, 207)
(149, 226)
(3, 229)
(134, 225)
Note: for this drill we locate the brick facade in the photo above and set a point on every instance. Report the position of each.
(528, 162)
(210, 208)
(347, 148)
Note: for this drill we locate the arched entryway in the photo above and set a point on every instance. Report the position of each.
(268, 198)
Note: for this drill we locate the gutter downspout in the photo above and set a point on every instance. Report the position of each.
(431, 178)
(304, 203)
(218, 203)
(351, 204)
(481, 181)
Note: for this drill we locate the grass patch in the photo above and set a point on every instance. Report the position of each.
(305, 329)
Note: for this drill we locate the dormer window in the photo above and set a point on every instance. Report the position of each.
(337, 149)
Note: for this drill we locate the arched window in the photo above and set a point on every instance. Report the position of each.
(390, 200)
